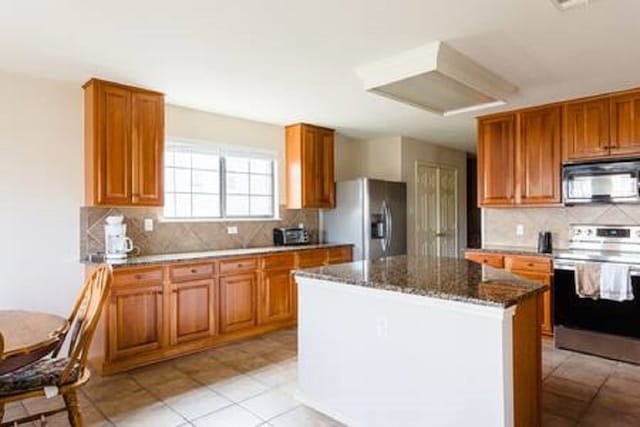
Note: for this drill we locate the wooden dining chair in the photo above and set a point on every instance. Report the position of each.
(62, 374)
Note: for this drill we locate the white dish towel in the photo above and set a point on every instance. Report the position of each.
(615, 283)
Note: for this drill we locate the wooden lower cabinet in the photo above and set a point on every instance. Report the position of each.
(546, 323)
(163, 311)
(193, 310)
(277, 296)
(238, 301)
(135, 320)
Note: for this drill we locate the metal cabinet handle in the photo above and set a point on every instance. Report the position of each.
(194, 270)
(138, 276)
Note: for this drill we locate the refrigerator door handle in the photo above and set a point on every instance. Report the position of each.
(385, 237)
(389, 220)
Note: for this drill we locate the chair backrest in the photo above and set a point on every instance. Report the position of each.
(84, 318)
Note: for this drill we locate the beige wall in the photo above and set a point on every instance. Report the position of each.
(413, 151)
(42, 190)
(381, 158)
(348, 158)
(207, 127)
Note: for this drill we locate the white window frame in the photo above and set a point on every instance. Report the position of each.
(223, 151)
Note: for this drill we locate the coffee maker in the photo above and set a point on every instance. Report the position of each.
(117, 244)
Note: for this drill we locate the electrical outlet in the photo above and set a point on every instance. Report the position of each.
(148, 224)
(232, 230)
(382, 326)
(519, 230)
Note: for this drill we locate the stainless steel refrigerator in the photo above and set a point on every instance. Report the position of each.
(371, 214)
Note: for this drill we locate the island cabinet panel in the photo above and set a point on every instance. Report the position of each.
(135, 320)
(539, 156)
(586, 128)
(238, 302)
(193, 310)
(309, 166)
(625, 124)
(124, 145)
(496, 161)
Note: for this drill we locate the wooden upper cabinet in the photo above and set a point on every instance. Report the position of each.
(147, 149)
(586, 128)
(309, 167)
(124, 145)
(496, 160)
(625, 124)
(539, 157)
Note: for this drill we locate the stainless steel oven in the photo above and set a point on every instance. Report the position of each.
(610, 182)
(598, 326)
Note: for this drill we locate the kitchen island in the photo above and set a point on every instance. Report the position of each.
(419, 342)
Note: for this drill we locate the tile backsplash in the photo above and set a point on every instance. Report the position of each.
(499, 225)
(169, 236)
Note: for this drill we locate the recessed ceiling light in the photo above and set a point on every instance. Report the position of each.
(436, 78)
(568, 4)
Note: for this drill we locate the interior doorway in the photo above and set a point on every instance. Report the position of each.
(436, 210)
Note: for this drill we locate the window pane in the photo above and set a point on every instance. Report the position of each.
(183, 205)
(182, 159)
(237, 205)
(237, 164)
(261, 166)
(183, 180)
(168, 180)
(168, 158)
(261, 206)
(205, 161)
(205, 182)
(205, 205)
(237, 183)
(261, 184)
(169, 205)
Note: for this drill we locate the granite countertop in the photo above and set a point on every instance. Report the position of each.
(444, 278)
(197, 256)
(511, 250)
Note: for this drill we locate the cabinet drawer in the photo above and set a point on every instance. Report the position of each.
(238, 265)
(524, 263)
(339, 255)
(138, 276)
(312, 258)
(183, 273)
(493, 260)
(279, 261)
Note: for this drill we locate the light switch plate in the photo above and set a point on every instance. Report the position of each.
(232, 230)
(148, 224)
(519, 230)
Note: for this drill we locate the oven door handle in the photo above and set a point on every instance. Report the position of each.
(571, 266)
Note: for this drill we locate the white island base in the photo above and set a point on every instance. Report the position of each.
(376, 358)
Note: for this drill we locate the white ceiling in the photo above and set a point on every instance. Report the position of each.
(284, 61)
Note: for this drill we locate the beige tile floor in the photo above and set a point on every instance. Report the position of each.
(252, 384)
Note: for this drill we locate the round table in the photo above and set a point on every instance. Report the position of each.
(28, 336)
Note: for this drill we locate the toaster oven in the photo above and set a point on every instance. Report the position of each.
(286, 236)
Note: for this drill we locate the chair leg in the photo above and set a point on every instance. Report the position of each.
(73, 410)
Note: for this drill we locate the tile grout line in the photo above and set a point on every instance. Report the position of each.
(155, 396)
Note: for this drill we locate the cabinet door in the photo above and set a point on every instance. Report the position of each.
(276, 296)
(496, 161)
(147, 149)
(237, 302)
(546, 322)
(539, 156)
(625, 124)
(192, 310)
(586, 128)
(317, 168)
(113, 145)
(135, 320)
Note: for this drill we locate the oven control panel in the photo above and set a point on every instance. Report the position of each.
(605, 237)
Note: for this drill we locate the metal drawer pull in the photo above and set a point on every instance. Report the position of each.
(194, 270)
(138, 276)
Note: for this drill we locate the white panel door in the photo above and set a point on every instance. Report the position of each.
(437, 210)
